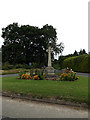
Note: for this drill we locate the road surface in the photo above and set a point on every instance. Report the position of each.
(83, 74)
(9, 75)
(16, 108)
(77, 73)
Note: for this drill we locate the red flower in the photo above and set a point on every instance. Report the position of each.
(67, 71)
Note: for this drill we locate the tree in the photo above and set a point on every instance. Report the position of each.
(50, 35)
(75, 53)
(25, 43)
(82, 52)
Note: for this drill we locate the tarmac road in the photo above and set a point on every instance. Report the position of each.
(16, 108)
(9, 75)
(77, 73)
(83, 74)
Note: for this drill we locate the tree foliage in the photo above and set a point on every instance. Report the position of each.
(75, 53)
(82, 52)
(25, 43)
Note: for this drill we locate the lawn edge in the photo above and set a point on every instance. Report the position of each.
(45, 100)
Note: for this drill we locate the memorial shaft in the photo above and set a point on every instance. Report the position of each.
(49, 56)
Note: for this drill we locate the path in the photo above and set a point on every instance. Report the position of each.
(83, 74)
(16, 108)
(9, 75)
(77, 73)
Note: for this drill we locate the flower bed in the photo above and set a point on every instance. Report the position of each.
(25, 76)
(69, 75)
(29, 77)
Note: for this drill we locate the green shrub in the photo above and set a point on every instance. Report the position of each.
(34, 73)
(27, 67)
(22, 66)
(7, 66)
(57, 66)
(19, 66)
(78, 63)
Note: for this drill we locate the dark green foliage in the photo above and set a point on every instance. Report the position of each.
(56, 64)
(31, 72)
(75, 53)
(25, 43)
(78, 63)
(82, 52)
(60, 61)
(7, 66)
(39, 72)
(36, 72)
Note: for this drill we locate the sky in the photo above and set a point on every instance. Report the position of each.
(69, 17)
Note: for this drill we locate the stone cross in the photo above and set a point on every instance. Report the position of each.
(49, 56)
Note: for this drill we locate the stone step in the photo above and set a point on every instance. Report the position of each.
(52, 77)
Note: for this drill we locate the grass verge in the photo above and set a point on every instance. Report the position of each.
(13, 71)
(68, 90)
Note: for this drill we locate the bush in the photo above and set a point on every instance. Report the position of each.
(24, 75)
(7, 66)
(69, 75)
(19, 66)
(57, 66)
(78, 63)
(36, 74)
(36, 77)
(28, 76)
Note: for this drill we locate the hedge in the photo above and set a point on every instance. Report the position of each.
(78, 63)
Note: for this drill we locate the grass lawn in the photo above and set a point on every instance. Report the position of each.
(68, 90)
(13, 71)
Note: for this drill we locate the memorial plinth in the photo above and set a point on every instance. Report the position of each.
(49, 71)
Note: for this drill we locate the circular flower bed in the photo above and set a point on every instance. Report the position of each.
(68, 75)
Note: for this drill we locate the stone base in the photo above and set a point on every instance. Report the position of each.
(49, 71)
